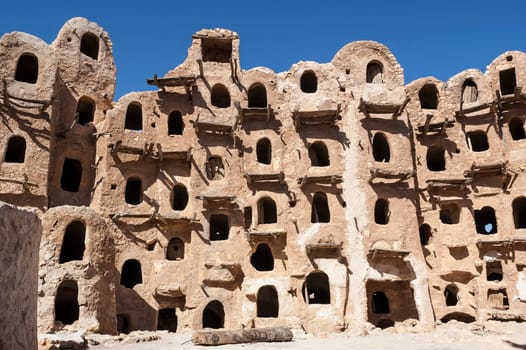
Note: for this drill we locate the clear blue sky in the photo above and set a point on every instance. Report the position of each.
(438, 38)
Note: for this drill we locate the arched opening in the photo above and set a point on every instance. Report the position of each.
(133, 191)
(175, 123)
(131, 273)
(451, 295)
(519, 212)
(375, 73)
(257, 96)
(485, 221)
(320, 208)
(66, 302)
(175, 249)
(494, 271)
(219, 227)
(214, 315)
(123, 324)
(450, 213)
(264, 151)
(477, 141)
(71, 175)
(381, 150)
(516, 126)
(425, 234)
(380, 303)
(267, 212)
(179, 197)
(309, 82)
(262, 258)
(89, 45)
(319, 154)
(133, 119)
(435, 158)
(27, 69)
(215, 170)
(73, 244)
(85, 110)
(16, 150)
(267, 302)
(220, 96)
(458, 316)
(428, 96)
(508, 81)
(381, 211)
(167, 320)
(470, 91)
(316, 288)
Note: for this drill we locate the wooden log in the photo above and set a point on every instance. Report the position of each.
(238, 336)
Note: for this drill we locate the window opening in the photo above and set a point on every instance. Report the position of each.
(133, 120)
(498, 299)
(425, 234)
(257, 96)
(380, 303)
(131, 274)
(381, 151)
(214, 315)
(71, 175)
(516, 126)
(470, 91)
(316, 288)
(450, 214)
(381, 211)
(485, 221)
(508, 81)
(220, 96)
(267, 212)
(247, 214)
(428, 96)
(451, 295)
(374, 73)
(216, 50)
(27, 69)
(215, 170)
(167, 320)
(264, 151)
(262, 258)
(267, 302)
(66, 302)
(133, 191)
(494, 271)
(436, 160)
(73, 243)
(179, 197)
(219, 227)
(478, 141)
(16, 150)
(320, 208)
(309, 82)
(519, 212)
(175, 249)
(175, 123)
(89, 45)
(319, 154)
(85, 110)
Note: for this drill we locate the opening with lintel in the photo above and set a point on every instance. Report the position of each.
(519, 212)
(508, 81)
(215, 170)
(73, 245)
(219, 227)
(264, 151)
(133, 191)
(494, 271)
(267, 212)
(477, 141)
(435, 158)
(320, 208)
(381, 150)
(449, 213)
(175, 249)
(319, 154)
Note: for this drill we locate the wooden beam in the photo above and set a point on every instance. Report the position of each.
(238, 336)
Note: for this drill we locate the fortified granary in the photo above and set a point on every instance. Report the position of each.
(324, 198)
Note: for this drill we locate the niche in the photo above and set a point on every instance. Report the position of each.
(179, 197)
(85, 110)
(374, 73)
(319, 154)
(478, 141)
(309, 82)
(214, 315)
(66, 302)
(516, 126)
(16, 150)
(175, 123)
(267, 212)
(458, 316)
(507, 81)
(485, 221)
(320, 208)
(451, 295)
(519, 212)
(131, 273)
(71, 175)
(175, 249)
(267, 302)
(379, 303)
(494, 271)
(133, 119)
(167, 320)
(247, 218)
(428, 96)
(435, 158)
(450, 213)
(498, 299)
(89, 45)
(381, 151)
(470, 91)
(381, 211)
(215, 170)
(27, 69)
(133, 191)
(262, 258)
(219, 227)
(73, 244)
(257, 96)
(264, 151)
(220, 96)
(216, 50)
(425, 234)
(316, 289)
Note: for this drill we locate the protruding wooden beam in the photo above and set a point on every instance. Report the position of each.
(238, 336)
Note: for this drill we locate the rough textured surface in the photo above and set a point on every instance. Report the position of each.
(255, 335)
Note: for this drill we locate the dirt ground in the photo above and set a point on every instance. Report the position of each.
(450, 336)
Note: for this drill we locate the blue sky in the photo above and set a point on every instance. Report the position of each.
(439, 38)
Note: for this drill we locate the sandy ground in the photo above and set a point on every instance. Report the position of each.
(451, 336)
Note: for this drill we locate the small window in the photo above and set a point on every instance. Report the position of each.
(73, 244)
(27, 69)
(494, 271)
(247, 218)
(498, 299)
(436, 160)
(485, 221)
(320, 208)
(262, 259)
(71, 175)
(478, 141)
(133, 192)
(16, 150)
(470, 91)
(516, 126)
(267, 302)
(220, 96)
(380, 303)
(425, 234)
(66, 302)
(89, 45)
(167, 320)
(316, 288)
(508, 81)
(131, 273)
(309, 82)
(133, 120)
(519, 212)
(381, 151)
(450, 214)
(381, 211)
(219, 227)
(264, 151)
(175, 123)
(179, 197)
(428, 96)
(319, 154)
(175, 249)
(257, 96)
(216, 50)
(214, 315)
(215, 169)
(374, 73)
(267, 212)
(85, 110)
(451, 295)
